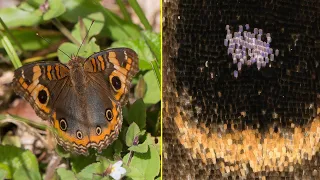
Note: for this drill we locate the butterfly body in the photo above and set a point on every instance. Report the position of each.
(82, 99)
(77, 74)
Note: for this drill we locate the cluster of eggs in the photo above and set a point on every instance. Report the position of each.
(249, 48)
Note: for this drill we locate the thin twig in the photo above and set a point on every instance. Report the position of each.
(53, 164)
(135, 142)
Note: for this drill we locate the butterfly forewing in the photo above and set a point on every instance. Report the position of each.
(118, 65)
(36, 81)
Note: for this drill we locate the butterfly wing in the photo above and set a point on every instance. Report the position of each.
(118, 65)
(40, 84)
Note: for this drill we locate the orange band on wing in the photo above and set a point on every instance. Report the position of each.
(93, 62)
(128, 67)
(36, 73)
(23, 84)
(100, 58)
(121, 70)
(65, 136)
(33, 85)
(56, 67)
(49, 76)
(129, 61)
(113, 58)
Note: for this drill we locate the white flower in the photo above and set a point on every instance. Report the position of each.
(117, 171)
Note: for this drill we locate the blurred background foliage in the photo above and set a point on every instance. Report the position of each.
(26, 148)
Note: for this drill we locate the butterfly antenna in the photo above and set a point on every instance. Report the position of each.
(49, 43)
(85, 37)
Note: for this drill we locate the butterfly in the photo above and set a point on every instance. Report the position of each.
(83, 99)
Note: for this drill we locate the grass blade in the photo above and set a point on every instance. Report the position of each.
(137, 9)
(11, 52)
(124, 10)
(10, 34)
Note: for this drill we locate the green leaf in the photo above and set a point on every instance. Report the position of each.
(90, 48)
(71, 49)
(114, 26)
(15, 16)
(132, 132)
(144, 165)
(30, 41)
(79, 162)
(95, 170)
(63, 173)
(147, 47)
(35, 3)
(7, 169)
(67, 48)
(105, 163)
(117, 145)
(151, 142)
(89, 171)
(95, 29)
(29, 6)
(137, 113)
(27, 174)
(153, 41)
(15, 158)
(142, 132)
(56, 8)
(10, 139)
(3, 171)
(152, 95)
(140, 148)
